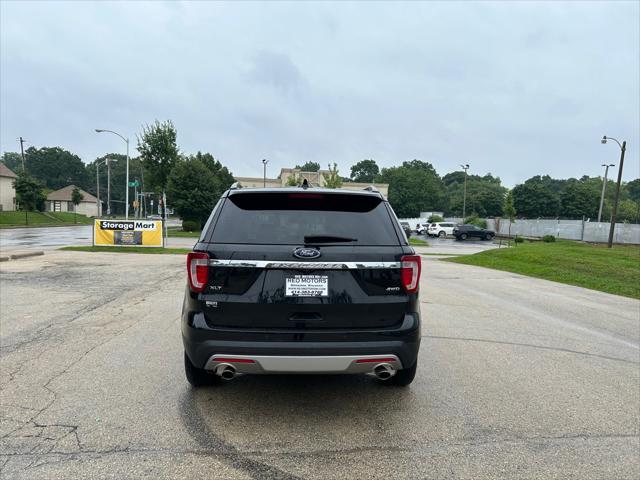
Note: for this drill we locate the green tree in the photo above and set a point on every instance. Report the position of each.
(332, 179)
(29, 194)
(55, 167)
(632, 188)
(309, 167)
(365, 171)
(414, 187)
(76, 198)
(12, 160)
(628, 211)
(537, 197)
(158, 153)
(485, 194)
(508, 209)
(579, 198)
(435, 219)
(191, 190)
(223, 177)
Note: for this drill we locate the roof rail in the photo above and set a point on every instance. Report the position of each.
(371, 188)
(235, 186)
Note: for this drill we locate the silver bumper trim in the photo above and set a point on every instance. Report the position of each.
(266, 364)
(302, 265)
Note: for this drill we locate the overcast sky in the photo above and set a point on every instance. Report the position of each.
(515, 89)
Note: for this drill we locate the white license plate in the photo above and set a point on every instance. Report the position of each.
(307, 286)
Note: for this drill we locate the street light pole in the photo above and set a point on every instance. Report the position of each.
(264, 172)
(465, 167)
(614, 211)
(604, 186)
(125, 140)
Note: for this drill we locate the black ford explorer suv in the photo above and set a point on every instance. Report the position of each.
(295, 280)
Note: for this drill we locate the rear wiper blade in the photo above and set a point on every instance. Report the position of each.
(327, 239)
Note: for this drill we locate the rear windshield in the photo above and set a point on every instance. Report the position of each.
(287, 218)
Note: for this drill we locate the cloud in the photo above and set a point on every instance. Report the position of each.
(517, 89)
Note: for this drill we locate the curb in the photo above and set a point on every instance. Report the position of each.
(17, 256)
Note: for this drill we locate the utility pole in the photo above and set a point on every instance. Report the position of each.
(465, 167)
(264, 172)
(614, 211)
(98, 189)
(135, 198)
(604, 186)
(108, 161)
(22, 140)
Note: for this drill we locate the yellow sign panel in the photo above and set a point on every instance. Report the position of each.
(127, 233)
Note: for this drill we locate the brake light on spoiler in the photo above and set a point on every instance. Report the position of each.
(197, 270)
(410, 272)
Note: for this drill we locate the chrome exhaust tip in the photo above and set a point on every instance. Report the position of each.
(225, 371)
(384, 371)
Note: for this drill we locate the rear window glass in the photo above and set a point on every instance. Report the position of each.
(286, 218)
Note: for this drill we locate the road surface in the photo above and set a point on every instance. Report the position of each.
(518, 378)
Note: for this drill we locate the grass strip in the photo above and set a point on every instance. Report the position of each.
(615, 270)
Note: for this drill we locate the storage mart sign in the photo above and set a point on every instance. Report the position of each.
(127, 233)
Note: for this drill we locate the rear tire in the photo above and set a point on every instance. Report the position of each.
(198, 377)
(404, 377)
(442, 234)
(488, 237)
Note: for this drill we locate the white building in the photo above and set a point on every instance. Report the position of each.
(7, 190)
(316, 179)
(60, 201)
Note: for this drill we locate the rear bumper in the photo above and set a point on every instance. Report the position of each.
(301, 351)
(265, 364)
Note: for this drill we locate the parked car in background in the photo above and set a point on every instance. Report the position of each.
(421, 228)
(407, 228)
(462, 232)
(441, 229)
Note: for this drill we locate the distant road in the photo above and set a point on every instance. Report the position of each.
(44, 237)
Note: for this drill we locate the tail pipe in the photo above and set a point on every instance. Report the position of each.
(225, 371)
(384, 371)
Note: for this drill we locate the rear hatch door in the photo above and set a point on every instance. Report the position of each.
(305, 261)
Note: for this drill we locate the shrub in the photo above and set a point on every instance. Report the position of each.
(435, 219)
(475, 220)
(518, 239)
(548, 238)
(190, 226)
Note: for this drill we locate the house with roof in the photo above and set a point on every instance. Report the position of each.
(60, 201)
(7, 190)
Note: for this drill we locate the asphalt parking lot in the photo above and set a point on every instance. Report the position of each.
(518, 378)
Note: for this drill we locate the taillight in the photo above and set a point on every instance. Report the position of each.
(197, 270)
(410, 272)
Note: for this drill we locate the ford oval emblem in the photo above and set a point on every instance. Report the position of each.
(304, 252)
